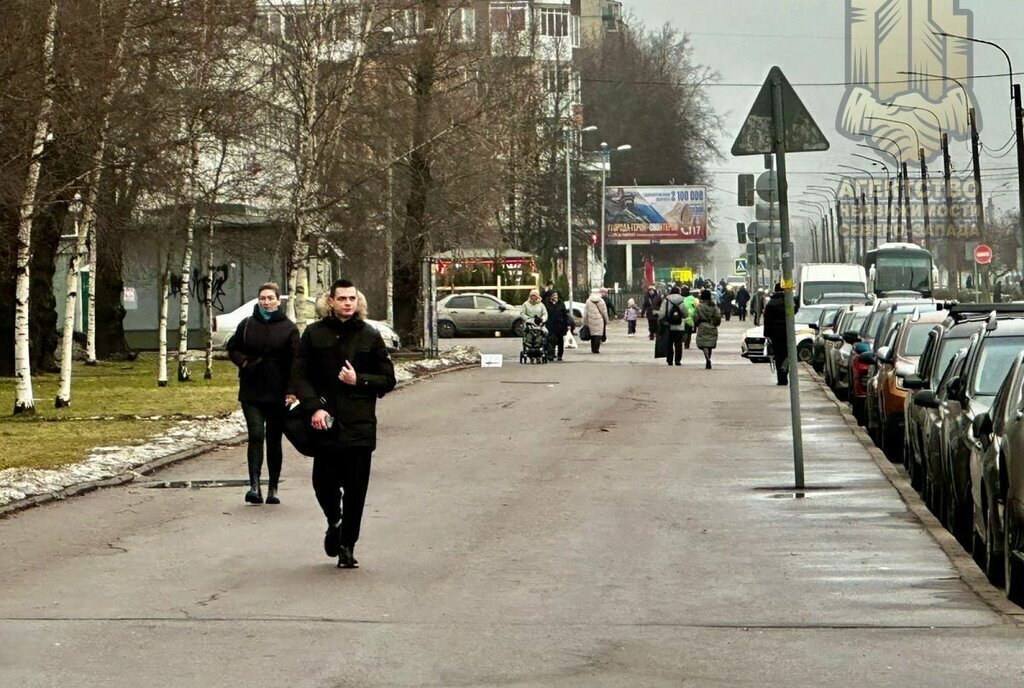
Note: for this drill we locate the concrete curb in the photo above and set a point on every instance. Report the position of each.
(962, 561)
(171, 459)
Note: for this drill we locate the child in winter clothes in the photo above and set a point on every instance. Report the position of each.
(631, 314)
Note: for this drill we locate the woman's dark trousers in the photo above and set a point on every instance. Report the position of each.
(264, 421)
(652, 326)
(595, 343)
(675, 347)
(556, 345)
(347, 469)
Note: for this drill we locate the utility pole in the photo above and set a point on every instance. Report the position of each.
(978, 201)
(1018, 114)
(888, 215)
(906, 200)
(839, 230)
(924, 195)
(947, 176)
(874, 229)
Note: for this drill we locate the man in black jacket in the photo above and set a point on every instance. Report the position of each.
(559, 324)
(775, 331)
(341, 369)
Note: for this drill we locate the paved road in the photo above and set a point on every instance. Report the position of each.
(606, 521)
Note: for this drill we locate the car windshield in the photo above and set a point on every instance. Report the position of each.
(914, 342)
(994, 361)
(807, 315)
(903, 272)
(869, 328)
(811, 292)
(854, 322)
(947, 350)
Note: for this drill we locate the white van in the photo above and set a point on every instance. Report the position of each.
(818, 279)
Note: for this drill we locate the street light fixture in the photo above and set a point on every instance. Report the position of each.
(568, 204)
(888, 185)
(874, 193)
(606, 164)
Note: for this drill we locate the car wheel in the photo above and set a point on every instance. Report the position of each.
(517, 328)
(445, 329)
(1012, 573)
(804, 353)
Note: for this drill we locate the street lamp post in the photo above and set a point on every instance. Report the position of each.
(838, 248)
(874, 193)
(606, 165)
(1018, 126)
(901, 180)
(888, 207)
(924, 179)
(828, 231)
(568, 206)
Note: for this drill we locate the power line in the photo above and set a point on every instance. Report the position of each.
(824, 84)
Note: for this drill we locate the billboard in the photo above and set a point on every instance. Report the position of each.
(656, 214)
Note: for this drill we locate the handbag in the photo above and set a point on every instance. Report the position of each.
(570, 341)
(306, 439)
(584, 333)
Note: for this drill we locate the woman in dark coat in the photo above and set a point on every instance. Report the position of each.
(263, 348)
(650, 309)
(559, 324)
(742, 299)
(775, 330)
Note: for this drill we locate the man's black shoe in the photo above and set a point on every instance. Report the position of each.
(331, 545)
(346, 559)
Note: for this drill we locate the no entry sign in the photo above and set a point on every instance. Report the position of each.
(983, 254)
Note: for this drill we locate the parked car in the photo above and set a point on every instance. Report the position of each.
(837, 358)
(825, 324)
(944, 341)
(469, 313)
(887, 392)
(1007, 424)
(990, 454)
(989, 358)
(754, 346)
(225, 324)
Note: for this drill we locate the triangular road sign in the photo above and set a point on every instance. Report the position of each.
(800, 132)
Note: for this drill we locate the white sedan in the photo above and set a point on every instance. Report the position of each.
(224, 325)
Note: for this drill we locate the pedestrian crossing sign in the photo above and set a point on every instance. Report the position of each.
(740, 266)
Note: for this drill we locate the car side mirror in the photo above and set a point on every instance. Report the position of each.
(833, 338)
(861, 348)
(953, 388)
(884, 354)
(981, 426)
(851, 337)
(926, 398)
(502, 308)
(814, 326)
(868, 357)
(913, 381)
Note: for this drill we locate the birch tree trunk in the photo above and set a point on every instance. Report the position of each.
(208, 374)
(90, 337)
(165, 297)
(184, 374)
(23, 398)
(87, 221)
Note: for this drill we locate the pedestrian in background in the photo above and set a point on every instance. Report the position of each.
(997, 292)
(725, 303)
(649, 310)
(534, 309)
(341, 368)
(775, 331)
(549, 289)
(673, 316)
(263, 347)
(757, 306)
(595, 317)
(708, 317)
(742, 299)
(630, 315)
(609, 304)
(691, 308)
(560, 323)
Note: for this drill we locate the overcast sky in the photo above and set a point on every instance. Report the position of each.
(807, 40)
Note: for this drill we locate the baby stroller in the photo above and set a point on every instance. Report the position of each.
(535, 342)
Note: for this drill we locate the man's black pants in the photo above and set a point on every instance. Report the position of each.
(349, 470)
(675, 346)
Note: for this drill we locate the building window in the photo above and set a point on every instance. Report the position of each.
(510, 17)
(462, 21)
(574, 29)
(555, 80)
(554, 21)
(408, 23)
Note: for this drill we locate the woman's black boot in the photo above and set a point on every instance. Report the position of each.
(255, 494)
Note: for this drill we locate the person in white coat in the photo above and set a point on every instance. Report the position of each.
(595, 317)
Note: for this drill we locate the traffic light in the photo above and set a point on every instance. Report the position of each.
(745, 190)
(741, 232)
(593, 239)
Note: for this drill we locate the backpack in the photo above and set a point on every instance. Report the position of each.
(675, 314)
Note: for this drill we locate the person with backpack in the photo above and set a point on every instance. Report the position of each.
(673, 315)
(707, 318)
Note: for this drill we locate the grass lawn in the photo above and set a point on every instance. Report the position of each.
(103, 400)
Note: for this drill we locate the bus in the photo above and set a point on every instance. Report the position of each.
(837, 280)
(900, 267)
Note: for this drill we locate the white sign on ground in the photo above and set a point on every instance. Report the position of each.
(491, 360)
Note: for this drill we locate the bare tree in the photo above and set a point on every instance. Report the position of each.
(24, 401)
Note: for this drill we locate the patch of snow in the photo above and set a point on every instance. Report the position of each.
(107, 462)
